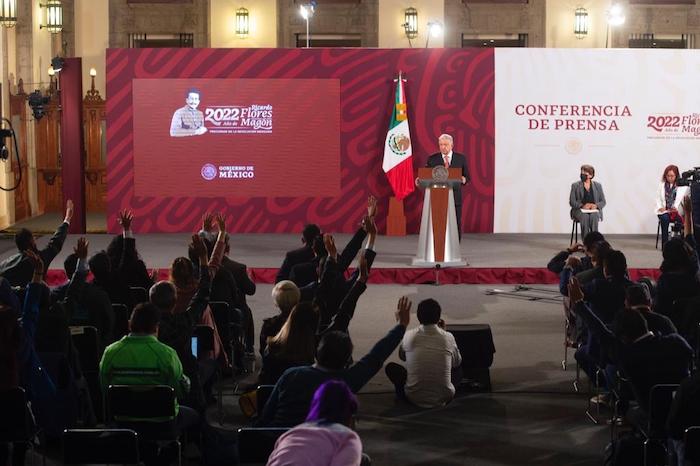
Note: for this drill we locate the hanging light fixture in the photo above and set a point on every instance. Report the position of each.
(54, 16)
(581, 23)
(8, 13)
(242, 23)
(410, 24)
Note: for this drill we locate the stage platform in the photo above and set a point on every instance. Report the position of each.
(491, 258)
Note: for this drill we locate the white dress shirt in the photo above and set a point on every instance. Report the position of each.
(431, 354)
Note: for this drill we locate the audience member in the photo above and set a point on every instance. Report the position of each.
(679, 269)
(175, 330)
(327, 437)
(19, 361)
(684, 413)
(129, 268)
(638, 298)
(291, 397)
(59, 293)
(300, 255)
(140, 359)
(89, 303)
(644, 358)
(557, 263)
(18, 269)
(433, 361)
(285, 295)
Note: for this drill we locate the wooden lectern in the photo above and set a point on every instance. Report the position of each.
(438, 242)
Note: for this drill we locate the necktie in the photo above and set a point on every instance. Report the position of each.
(447, 161)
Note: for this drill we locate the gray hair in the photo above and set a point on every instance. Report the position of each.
(446, 137)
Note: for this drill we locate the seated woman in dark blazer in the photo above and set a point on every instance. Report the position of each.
(587, 195)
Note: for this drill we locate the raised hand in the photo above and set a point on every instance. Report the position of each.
(371, 206)
(221, 222)
(403, 311)
(364, 270)
(69, 211)
(370, 226)
(154, 275)
(81, 248)
(329, 243)
(125, 218)
(207, 221)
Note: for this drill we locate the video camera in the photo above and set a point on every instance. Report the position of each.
(690, 177)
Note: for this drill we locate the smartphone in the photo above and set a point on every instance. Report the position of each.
(194, 345)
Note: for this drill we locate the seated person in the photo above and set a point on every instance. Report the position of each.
(175, 330)
(285, 295)
(19, 361)
(684, 413)
(433, 361)
(327, 436)
(290, 399)
(140, 359)
(18, 269)
(124, 257)
(587, 195)
(587, 271)
(88, 303)
(557, 263)
(679, 269)
(644, 358)
(669, 201)
(638, 298)
(301, 255)
(59, 293)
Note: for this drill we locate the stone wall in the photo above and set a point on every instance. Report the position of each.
(158, 18)
(642, 19)
(495, 20)
(351, 17)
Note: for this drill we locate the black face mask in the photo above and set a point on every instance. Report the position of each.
(584, 177)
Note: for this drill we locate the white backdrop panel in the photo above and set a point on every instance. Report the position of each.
(535, 167)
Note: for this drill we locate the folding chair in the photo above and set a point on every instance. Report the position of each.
(660, 399)
(691, 442)
(255, 444)
(100, 446)
(228, 323)
(121, 320)
(262, 394)
(138, 294)
(205, 347)
(17, 421)
(86, 341)
(149, 410)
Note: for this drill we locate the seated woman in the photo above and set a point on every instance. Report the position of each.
(286, 295)
(587, 195)
(326, 438)
(294, 345)
(669, 199)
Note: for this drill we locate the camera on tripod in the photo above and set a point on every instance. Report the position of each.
(690, 177)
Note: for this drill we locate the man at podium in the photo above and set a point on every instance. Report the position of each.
(450, 159)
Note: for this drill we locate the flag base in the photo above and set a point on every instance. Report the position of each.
(396, 219)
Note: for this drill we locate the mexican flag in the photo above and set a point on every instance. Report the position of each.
(398, 163)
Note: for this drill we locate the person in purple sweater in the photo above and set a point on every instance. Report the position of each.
(327, 437)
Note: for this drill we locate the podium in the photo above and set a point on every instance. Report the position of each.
(438, 242)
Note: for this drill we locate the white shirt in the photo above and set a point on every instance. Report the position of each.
(681, 192)
(431, 353)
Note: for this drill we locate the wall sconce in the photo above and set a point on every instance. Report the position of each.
(54, 16)
(580, 23)
(242, 23)
(410, 24)
(8, 13)
(435, 29)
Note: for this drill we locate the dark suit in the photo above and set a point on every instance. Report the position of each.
(456, 161)
(292, 258)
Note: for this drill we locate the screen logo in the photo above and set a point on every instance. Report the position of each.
(208, 172)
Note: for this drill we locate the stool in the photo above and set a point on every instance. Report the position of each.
(574, 231)
(658, 234)
(675, 227)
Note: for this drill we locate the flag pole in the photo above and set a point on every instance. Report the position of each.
(396, 217)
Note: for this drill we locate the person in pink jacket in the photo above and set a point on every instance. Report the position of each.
(327, 437)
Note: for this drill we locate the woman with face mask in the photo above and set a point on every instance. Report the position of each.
(587, 201)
